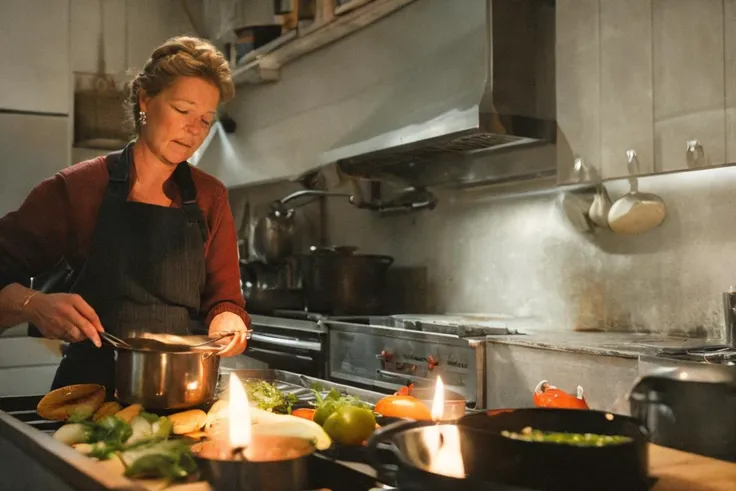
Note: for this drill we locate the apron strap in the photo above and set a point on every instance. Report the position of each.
(118, 164)
(183, 177)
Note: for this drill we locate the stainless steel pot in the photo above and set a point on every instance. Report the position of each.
(267, 288)
(343, 283)
(165, 379)
(689, 408)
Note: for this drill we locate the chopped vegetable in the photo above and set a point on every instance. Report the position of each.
(167, 458)
(306, 413)
(332, 402)
(73, 433)
(269, 398)
(141, 430)
(576, 439)
(109, 435)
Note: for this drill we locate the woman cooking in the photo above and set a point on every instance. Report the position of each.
(149, 239)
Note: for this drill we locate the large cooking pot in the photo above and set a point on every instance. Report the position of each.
(270, 287)
(690, 408)
(338, 281)
(161, 375)
(401, 453)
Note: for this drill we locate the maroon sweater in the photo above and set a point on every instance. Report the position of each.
(58, 218)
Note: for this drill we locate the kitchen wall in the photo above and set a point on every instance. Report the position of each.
(520, 255)
(132, 30)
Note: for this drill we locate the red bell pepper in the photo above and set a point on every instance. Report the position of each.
(546, 395)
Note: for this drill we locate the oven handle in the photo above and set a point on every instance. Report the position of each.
(286, 342)
(398, 376)
(276, 354)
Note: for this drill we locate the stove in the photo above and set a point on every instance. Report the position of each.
(291, 341)
(714, 354)
(385, 352)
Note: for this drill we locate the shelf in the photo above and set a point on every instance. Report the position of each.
(264, 64)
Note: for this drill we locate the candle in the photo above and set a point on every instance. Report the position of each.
(438, 402)
(443, 441)
(240, 433)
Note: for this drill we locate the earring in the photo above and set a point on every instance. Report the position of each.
(142, 118)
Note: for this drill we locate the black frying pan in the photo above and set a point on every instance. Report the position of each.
(494, 462)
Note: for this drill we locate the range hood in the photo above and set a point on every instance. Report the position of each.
(458, 112)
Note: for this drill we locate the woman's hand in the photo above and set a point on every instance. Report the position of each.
(229, 322)
(64, 316)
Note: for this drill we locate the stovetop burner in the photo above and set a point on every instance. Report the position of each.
(716, 354)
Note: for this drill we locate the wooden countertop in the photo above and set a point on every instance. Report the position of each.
(674, 470)
(682, 471)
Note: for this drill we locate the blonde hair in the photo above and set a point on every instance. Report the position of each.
(181, 56)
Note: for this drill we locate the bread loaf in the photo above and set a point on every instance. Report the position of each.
(81, 399)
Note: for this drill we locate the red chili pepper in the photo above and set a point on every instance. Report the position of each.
(546, 395)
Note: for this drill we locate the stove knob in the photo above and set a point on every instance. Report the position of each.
(432, 362)
(385, 356)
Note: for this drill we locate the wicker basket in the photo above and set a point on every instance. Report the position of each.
(99, 115)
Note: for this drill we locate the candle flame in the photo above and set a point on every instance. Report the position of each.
(444, 450)
(438, 403)
(238, 414)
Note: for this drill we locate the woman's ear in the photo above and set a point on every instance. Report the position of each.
(143, 99)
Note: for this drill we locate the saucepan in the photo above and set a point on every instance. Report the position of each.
(166, 372)
(515, 449)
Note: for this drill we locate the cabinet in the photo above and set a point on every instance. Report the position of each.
(34, 49)
(653, 75)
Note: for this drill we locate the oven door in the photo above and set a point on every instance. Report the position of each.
(292, 354)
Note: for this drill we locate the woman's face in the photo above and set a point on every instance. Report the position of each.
(179, 118)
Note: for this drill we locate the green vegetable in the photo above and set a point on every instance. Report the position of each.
(576, 439)
(350, 425)
(162, 428)
(150, 417)
(332, 402)
(110, 435)
(142, 430)
(168, 458)
(269, 398)
(73, 433)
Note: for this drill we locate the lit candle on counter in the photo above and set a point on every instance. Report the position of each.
(240, 432)
(443, 440)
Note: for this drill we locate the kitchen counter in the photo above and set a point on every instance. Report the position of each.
(674, 470)
(33, 453)
(620, 344)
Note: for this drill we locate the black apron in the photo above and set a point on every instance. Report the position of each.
(145, 271)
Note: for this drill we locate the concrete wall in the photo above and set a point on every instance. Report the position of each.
(521, 256)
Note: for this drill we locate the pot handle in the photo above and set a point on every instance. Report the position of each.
(383, 455)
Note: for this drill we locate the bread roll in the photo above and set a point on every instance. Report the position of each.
(129, 412)
(107, 409)
(188, 421)
(62, 403)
